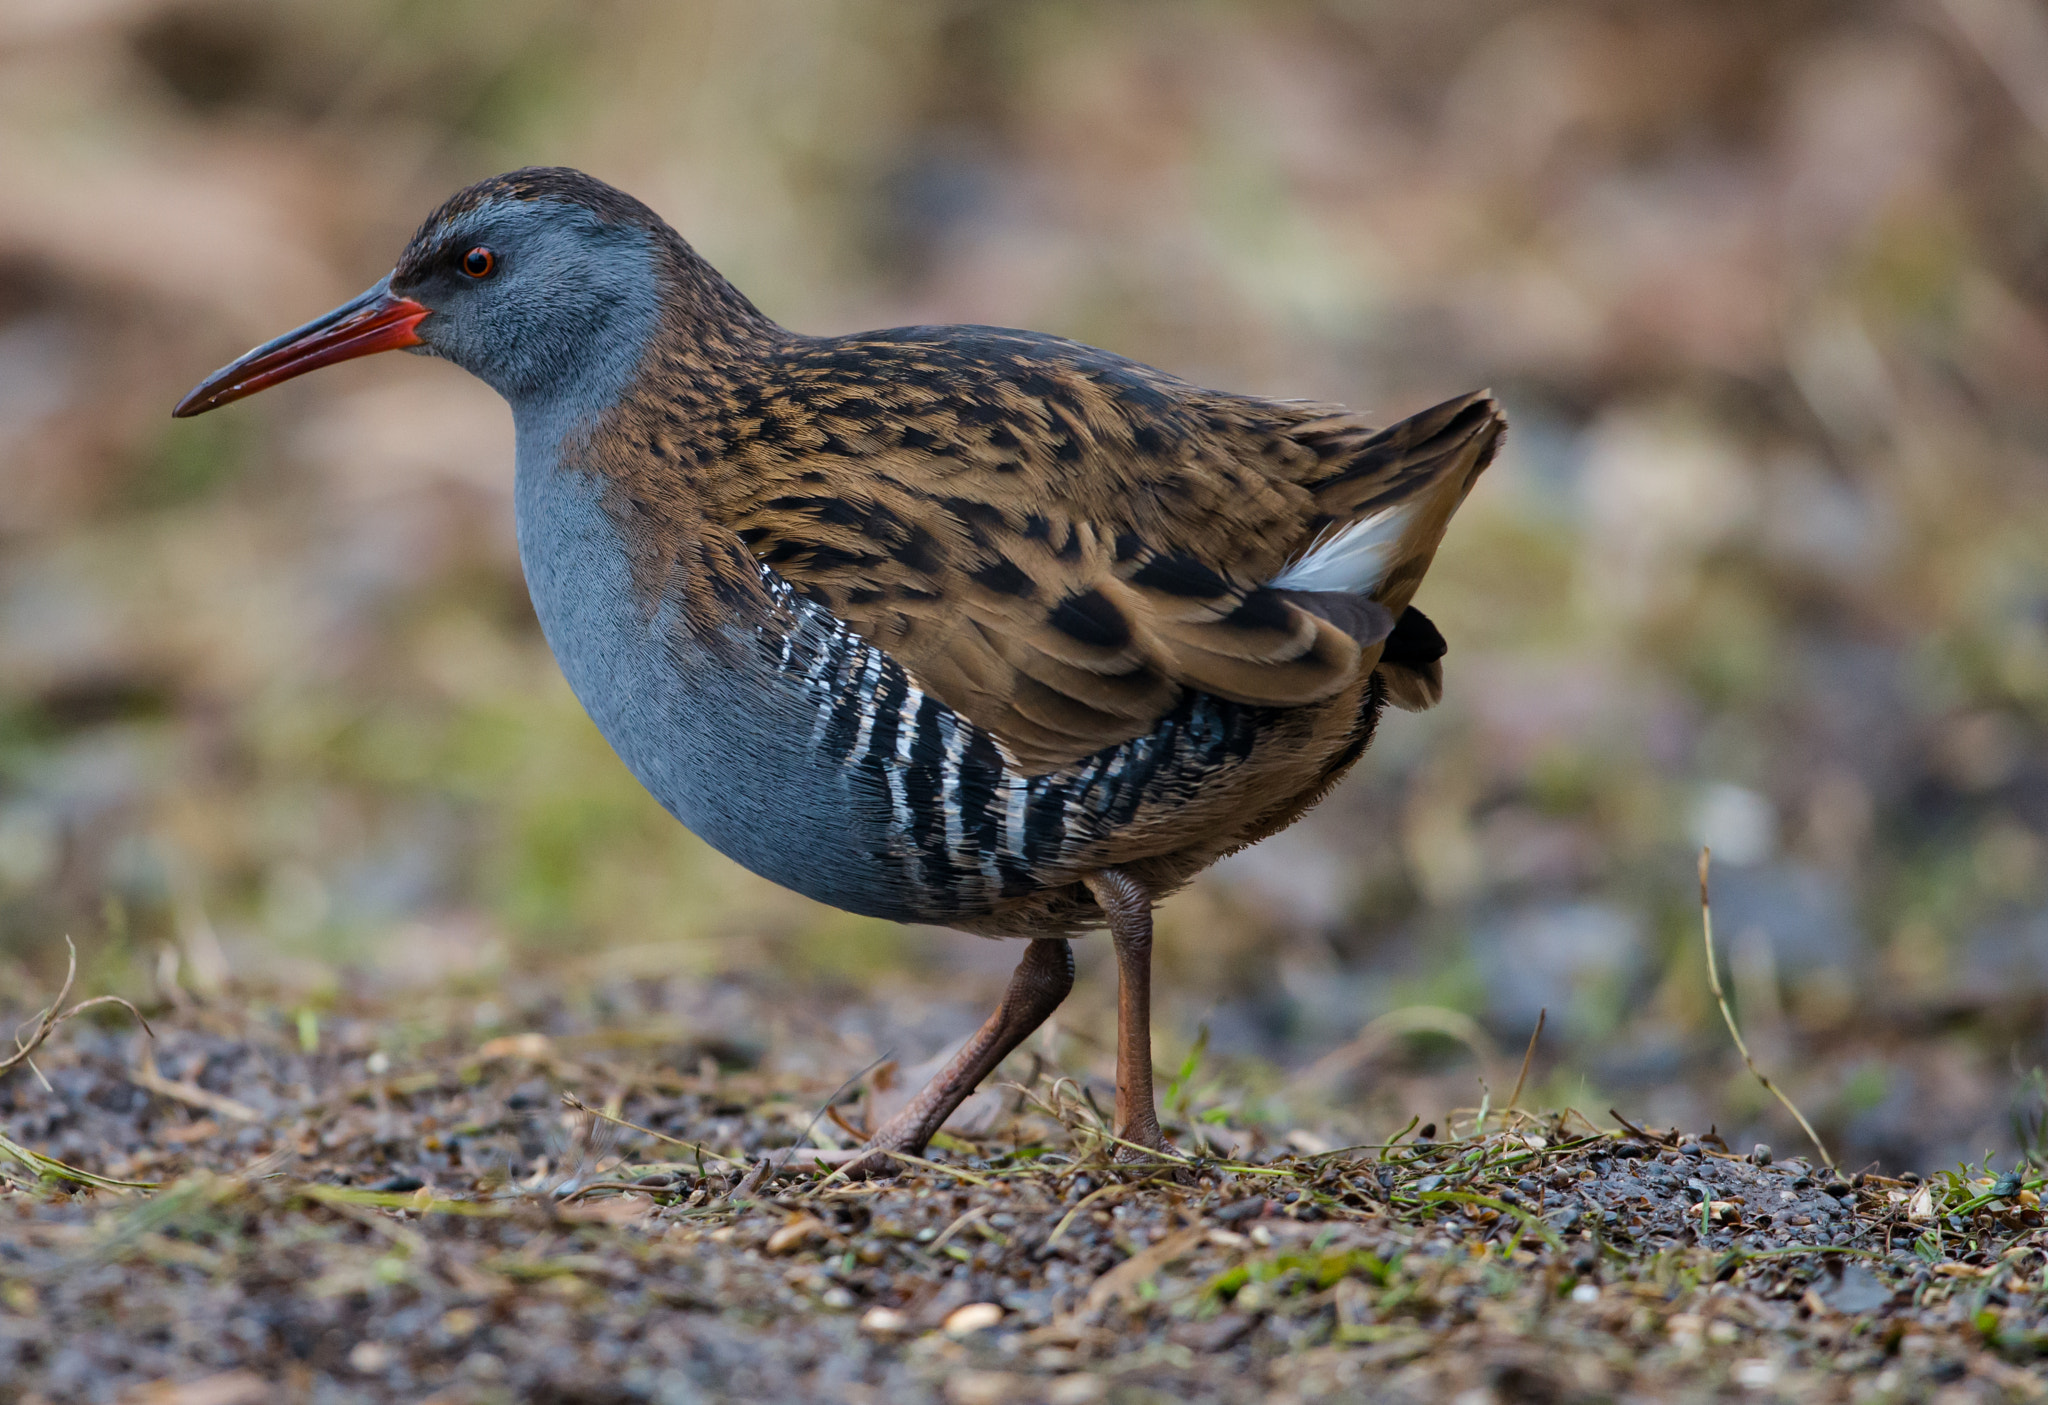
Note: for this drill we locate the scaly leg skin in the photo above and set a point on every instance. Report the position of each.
(1040, 982)
(1129, 908)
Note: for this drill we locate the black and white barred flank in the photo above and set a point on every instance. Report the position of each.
(967, 828)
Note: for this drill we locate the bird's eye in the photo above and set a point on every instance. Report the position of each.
(479, 262)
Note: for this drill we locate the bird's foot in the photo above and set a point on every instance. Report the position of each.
(856, 1163)
(1150, 1149)
(871, 1160)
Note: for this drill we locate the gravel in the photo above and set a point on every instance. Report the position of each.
(449, 1229)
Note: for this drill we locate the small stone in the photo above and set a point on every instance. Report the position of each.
(1217, 1334)
(974, 1317)
(884, 1322)
(1756, 1372)
(1079, 1388)
(1858, 1291)
(368, 1358)
(1760, 1155)
(981, 1387)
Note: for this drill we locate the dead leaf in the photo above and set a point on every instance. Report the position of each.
(799, 1232)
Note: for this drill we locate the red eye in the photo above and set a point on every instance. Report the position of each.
(479, 262)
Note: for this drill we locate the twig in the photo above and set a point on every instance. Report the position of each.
(1528, 1054)
(750, 1182)
(1661, 1138)
(191, 1094)
(1721, 999)
(56, 1015)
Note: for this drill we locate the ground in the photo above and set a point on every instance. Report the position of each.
(571, 1219)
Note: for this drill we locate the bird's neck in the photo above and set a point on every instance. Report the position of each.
(665, 359)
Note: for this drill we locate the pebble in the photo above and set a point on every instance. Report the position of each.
(974, 1317)
(982, 1387)
(884, 1322)
(1079, 1388)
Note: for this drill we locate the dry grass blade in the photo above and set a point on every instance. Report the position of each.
(1728, 1015)
(576, 1104)
(56, 1014)
(413, 1201)
(1126, 1276)
(1087, 1202)
(50, 1168)
(1527, 1054)
(1380, 1035)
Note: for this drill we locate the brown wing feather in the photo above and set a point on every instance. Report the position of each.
(1055, 541)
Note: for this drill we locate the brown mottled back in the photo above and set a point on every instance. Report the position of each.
(1053, 540)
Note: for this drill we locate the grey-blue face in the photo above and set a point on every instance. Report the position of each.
(534, 297)
(542, 282)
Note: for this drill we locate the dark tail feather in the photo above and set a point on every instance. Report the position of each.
(1411, 664)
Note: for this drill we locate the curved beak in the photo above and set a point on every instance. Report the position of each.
(376, 320)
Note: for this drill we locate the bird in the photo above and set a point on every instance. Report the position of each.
(958, 625)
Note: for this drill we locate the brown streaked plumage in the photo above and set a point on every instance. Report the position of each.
(1056, 542)
(953, 624)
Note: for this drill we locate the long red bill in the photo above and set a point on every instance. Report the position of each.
(377, 320)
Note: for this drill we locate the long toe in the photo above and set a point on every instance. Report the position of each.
(1154, 1151)
(859, 1163)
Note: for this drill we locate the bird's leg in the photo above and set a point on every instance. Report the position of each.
(1040, 982)
(1129, 908)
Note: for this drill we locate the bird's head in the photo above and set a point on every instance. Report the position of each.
(534, 282)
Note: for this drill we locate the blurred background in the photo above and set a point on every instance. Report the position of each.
(1764, 287)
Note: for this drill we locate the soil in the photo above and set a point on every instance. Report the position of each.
(536, 1219)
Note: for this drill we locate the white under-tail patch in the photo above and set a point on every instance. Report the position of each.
(1354, 558)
